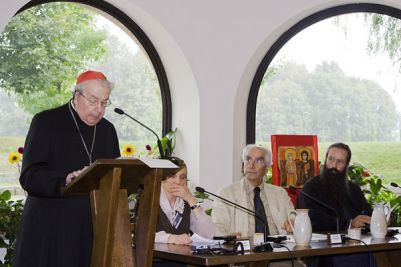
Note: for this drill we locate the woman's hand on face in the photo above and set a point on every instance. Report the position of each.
(181, 191)
(183, 239)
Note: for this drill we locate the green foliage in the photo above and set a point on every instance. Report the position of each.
(356, 174)
(168, 142)
(168, 145)
(327, 103)
(201, 195)
(384, 36)
(43, 49)
(269, 176)
(374, 190)
(209, 211)
(136, 90)
(204, 196)
(10, 218)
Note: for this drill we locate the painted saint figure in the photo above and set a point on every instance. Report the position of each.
(291, 170)
(306, 168)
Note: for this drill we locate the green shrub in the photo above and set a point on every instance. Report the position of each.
(375, 192)
(10, 218)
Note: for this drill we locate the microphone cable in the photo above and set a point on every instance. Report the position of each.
(275, 245)
(366, 245)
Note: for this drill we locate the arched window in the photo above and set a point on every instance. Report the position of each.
(48, 43)
(312, 90)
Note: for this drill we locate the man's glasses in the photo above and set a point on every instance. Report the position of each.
(338, 161)
(94, 101)
(258, 161)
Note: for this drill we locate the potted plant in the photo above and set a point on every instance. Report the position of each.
(375, 191)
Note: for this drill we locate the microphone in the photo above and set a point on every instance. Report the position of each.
(394, 185)
(293, 189)
(251, 212)
(159, 143)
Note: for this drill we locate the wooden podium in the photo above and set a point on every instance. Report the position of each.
(109, 182)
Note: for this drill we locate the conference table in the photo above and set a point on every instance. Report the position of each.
(386, 251)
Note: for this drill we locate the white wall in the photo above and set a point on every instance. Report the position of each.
(211, 50)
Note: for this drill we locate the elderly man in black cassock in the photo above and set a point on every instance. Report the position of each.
(56, 230)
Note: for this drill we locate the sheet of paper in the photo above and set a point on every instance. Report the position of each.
(279, 249)
(154, 163)
(158, 163)
(200, 240)
(315, 237)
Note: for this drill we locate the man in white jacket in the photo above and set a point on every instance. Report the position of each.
(230, 220)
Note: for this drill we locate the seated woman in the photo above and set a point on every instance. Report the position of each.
(180, 212)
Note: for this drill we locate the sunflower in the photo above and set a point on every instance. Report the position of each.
(128, 150)
(14, 157)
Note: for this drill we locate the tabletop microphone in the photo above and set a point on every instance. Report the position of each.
(293, 189)
(159, 143)
(251, 212)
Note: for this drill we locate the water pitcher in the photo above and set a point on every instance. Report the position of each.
(378, 222)
(302, 228)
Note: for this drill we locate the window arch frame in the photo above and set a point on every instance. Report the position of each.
(142, 38)
(286, 36)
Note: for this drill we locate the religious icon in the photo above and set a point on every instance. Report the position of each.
(295, 159)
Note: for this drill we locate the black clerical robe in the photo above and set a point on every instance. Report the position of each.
(57, 230)
(324, 219)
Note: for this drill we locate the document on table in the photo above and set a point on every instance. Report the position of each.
(315, 238)
(200, 240)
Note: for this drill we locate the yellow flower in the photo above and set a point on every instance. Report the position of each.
(128, 150)
(14, 157)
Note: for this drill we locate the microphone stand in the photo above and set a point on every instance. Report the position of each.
(202, 190)
(334, 238)
(293, 189)
(159, 143)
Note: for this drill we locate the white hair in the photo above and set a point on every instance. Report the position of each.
(268, 154)
(101, 82)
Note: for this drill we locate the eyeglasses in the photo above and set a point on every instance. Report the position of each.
(94, 101)
(258, 161)
(332, 159)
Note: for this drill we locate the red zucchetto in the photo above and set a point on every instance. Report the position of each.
(90, 75)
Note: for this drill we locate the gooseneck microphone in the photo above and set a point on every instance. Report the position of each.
(293, 189)
(251, 212)
(159, 143)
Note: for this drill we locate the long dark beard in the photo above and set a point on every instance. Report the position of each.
(335, 184)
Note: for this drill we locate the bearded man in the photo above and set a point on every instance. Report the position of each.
(333, 188)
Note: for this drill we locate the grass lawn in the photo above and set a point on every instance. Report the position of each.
(381, 158)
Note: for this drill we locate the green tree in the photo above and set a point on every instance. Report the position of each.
(384, 36)
(43, 49)
(324, 102)
(136, 90)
